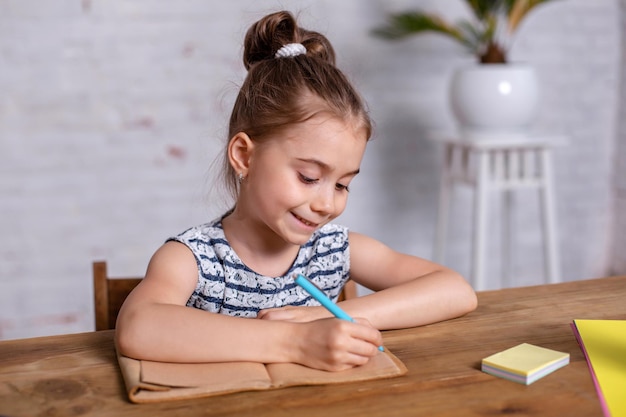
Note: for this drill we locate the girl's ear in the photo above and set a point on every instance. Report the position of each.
(240, 149)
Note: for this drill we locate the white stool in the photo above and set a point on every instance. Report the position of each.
(504, 165)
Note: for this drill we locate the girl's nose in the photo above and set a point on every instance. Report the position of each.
(324, 201)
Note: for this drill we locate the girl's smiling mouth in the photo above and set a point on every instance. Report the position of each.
(305, 222)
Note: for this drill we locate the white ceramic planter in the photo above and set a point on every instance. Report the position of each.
(494, 99)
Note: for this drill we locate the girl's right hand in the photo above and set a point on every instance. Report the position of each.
(335, 345)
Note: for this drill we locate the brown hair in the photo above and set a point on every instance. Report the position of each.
(277, 92)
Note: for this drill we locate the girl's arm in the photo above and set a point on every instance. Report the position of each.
(155, 324)
(409, 291)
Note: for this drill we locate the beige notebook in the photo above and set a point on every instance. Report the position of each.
(148, 381)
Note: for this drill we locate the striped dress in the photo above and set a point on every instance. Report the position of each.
(227, 286)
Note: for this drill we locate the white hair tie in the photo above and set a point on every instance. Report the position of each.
(290, 50)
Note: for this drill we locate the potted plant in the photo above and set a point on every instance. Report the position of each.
(495, 94)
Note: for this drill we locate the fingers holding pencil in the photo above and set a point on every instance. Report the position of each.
(326, 302)
(336, 345)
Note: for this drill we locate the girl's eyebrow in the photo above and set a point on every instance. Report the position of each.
(325, 166)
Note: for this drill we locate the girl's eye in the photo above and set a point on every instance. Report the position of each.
(341, 187)
(306, 179)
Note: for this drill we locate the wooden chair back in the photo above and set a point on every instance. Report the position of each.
(349, 291)
(110, 293)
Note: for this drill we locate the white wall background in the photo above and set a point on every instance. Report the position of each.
(618, 260)
(112, 112)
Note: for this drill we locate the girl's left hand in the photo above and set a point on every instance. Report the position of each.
(294, 314)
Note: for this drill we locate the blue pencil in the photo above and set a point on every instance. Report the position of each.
(323, 299)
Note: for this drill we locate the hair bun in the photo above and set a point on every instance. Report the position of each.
(266, 36)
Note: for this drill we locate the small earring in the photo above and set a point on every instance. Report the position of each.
(240, 178)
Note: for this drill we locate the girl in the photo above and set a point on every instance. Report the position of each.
(224, 291)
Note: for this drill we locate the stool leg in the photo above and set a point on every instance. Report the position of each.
(551, 254)
(480, 217)
(506, 237)
(445, 189)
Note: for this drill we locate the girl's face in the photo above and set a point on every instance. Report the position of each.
(298, 180)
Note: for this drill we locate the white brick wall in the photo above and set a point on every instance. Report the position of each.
(112, 112)
(618, 262)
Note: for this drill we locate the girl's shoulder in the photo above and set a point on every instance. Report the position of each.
(203, 239)
(205, 231)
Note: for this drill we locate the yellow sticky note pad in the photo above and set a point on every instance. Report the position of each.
(524, 363)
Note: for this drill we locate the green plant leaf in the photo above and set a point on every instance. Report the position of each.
(402, 25)
(473, 35)
(484, 8)
(517, 9)
(483, 36)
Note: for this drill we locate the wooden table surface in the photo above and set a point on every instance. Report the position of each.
(74, 375)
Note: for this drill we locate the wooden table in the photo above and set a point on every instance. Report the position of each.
(73, 375)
